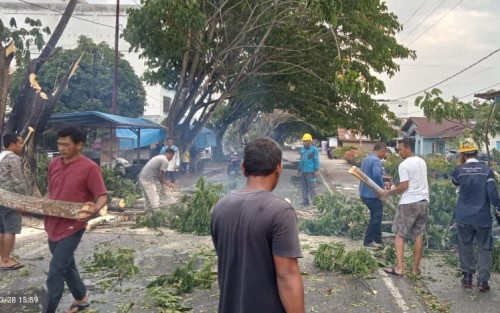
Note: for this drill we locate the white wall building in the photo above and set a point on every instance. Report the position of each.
(96, 21)
(402, 108)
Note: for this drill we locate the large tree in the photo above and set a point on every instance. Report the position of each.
(313, 58)
(15, 42)
(91, 88)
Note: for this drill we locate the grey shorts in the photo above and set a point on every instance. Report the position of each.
(411, 218)
(10, 221)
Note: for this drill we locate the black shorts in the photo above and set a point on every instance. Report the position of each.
(10, 221)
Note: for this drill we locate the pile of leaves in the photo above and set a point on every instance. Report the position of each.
(441, 234)
(121, 187)
(338, 215)
(193, 215)
(166, 291)
(158, 218)
(334, 257)
(112, 267)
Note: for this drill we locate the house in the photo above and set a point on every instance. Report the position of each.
(353, 137)
(431, 137)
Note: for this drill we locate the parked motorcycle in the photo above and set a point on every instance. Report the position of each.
(234, 166)
(126, 169)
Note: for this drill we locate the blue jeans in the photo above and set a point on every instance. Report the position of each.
(63, 269)
(374, 229)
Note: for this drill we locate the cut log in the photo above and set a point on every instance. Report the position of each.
(99, 221)
(356, 172)
(103, 211)
(22, 203)
(117, 204)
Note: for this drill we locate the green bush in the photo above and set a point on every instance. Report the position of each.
(338, 215)
(42, 172)
(196, 218)
(334, 256)
(440, 232)
(121, 187)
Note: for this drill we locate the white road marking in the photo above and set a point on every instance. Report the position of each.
(385, 277)
(394, 291)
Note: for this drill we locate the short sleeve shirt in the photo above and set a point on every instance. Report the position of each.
(152, 169)
(78, 181)
(414, 170)
(248, 229)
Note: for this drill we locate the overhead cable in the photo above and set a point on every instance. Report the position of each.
(413, 14)
(422, 21)
(435, 23)
(73, 16)
(450, 77)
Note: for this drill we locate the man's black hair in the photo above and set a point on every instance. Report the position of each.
(409, 143)
(74, 133)
(261, 157)
(379, 146)
(9, 139)
(169, 150)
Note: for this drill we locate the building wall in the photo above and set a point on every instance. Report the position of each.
(95, 21)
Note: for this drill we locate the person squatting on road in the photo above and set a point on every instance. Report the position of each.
(477, 189)
(152, 178)
(11, 179)
(373, 168)
(173, 167)
(308, 169)
(255, 235)
(413, 209)
(75, 178)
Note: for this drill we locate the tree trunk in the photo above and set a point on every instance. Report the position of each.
(6, 56)
(117, 204)
(22, 203)
(24, 102)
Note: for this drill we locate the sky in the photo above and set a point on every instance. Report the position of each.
(448, 36)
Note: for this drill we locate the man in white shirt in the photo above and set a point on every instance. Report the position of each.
(152, 178)
(413, 210)
(173, 167)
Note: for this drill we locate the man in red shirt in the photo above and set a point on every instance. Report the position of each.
(75, 178)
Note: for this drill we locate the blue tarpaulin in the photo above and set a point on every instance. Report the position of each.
(148, 136)
(206, 138)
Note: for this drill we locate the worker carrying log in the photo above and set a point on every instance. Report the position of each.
(75, 178)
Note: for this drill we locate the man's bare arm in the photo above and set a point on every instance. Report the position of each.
(290, 285)
(400, 188)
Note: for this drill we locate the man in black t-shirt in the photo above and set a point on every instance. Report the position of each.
(256, 239)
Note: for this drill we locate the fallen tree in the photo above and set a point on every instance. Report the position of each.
(27, 204)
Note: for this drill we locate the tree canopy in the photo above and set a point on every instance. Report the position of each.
(316, 59)
(91, 88)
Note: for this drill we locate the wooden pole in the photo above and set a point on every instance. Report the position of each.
(356, 172)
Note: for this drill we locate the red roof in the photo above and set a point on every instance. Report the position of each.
(431, 129)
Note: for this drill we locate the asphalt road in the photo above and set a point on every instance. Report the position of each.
(159, 253)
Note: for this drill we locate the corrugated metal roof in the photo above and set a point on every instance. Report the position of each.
(95, 119)
(431, 129)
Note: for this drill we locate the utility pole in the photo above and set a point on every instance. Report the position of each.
(94, 52)
(114, 100)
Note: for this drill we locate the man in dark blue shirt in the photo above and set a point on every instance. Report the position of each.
(372, 167)
(473, 214)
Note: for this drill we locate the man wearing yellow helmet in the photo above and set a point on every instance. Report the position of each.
(308, 169)
(473, 214)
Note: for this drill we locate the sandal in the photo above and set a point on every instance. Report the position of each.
(79, 307)
(15, 266)
(392, 271)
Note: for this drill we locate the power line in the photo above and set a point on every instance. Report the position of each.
(414, 12)
(435, 23)
(450, 77)
(485, 89)
(75, 17)
(422, 21)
